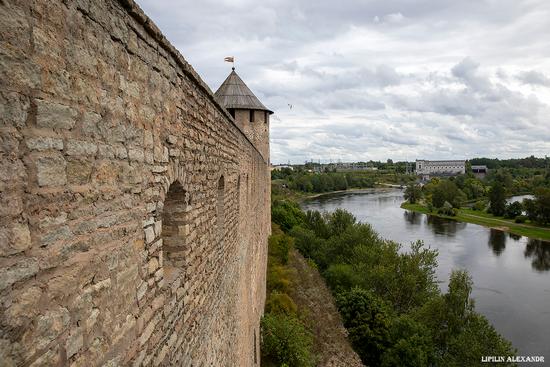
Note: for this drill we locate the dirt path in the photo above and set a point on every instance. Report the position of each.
(312, 295)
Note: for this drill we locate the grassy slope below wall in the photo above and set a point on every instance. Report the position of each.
(312, 296)
(301, 326)
(487, 220)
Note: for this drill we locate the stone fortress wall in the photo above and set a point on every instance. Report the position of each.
(134, 212)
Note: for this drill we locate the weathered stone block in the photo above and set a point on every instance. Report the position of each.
(136, 154)
(14, 239)
(153, 265)
(149, 235)
(52, 236)
(74, 342)
(22, 269)
(13, 109)
(50, 358)
(24, 308)
(81, 148)
(90, 121)
(48, 327)
(172, 139)
(49, 221)
(54, 115)
(51, 170)
(79, 171)
(148, 139)
(105, 151)
(44, 143)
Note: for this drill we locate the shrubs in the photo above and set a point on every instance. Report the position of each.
(280, 303)
(520, 219)
(278, 246)
(285, 341)
(480, 205)
(447, 209)
(286, 214)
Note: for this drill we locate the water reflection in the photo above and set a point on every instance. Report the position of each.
(444, 226)
(540, 252)
(515, 237)
(413, 217)
(497, 241)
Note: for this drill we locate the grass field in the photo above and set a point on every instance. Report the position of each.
(488, 220)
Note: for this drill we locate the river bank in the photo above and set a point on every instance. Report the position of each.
(487, 220)
(304, 197)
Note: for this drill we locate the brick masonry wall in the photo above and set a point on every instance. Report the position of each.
(103, 123)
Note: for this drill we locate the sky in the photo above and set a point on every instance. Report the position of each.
(363, 80)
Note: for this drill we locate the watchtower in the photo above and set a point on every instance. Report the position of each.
(250, 115)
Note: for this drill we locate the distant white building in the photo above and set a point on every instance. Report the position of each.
(440, 168)
(280, 167)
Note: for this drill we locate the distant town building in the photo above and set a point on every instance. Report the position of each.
(347, 167)
(426, 168)
(480, 171)
(281, 166)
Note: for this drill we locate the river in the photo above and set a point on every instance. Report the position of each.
(511, 273)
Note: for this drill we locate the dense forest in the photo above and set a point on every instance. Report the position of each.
(318, 182)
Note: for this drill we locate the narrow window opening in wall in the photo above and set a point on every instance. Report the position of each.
(174, 231)
(265, 116)
(251, 115)
(220, 206)
(239, 195)
(255, 351)
(232, 112)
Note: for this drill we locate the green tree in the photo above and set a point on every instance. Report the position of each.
(413, 193)
(287, 214)
(447, 190)
(368, 321)
(460, 335)
(542, 202)
(473, 188)
(530, 207)
(513, 210)
(497, 199)
(411, 345)
(339, 221)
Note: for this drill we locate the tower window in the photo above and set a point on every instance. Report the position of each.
(251, 115)
(232, 112)
(265, 116)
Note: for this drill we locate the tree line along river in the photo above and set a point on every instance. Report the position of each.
(511, 273)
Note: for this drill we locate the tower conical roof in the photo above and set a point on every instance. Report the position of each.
(233, 93)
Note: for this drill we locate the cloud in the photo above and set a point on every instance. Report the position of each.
(379, 79)
(534, 77)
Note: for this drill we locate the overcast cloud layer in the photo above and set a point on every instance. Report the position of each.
(379, 79)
